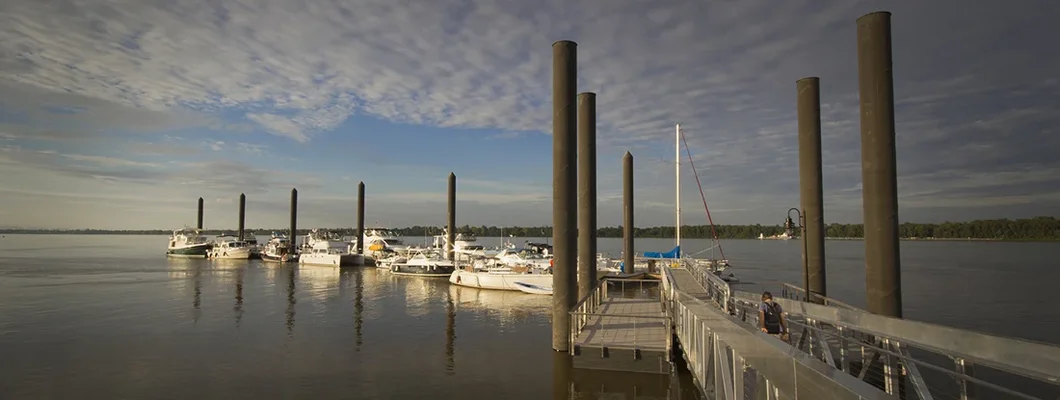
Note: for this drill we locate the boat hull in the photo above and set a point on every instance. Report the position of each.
(439, 271)
(334, 260)
(533, 289)
(195, 251)
(278, 259)
(229, 254)
(498, 281)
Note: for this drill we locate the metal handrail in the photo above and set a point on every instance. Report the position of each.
(1035, 360)
(828, 301)
(709, 335)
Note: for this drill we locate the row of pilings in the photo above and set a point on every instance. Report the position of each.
(574, 254)
(451, 206)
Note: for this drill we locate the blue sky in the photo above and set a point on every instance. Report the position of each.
(120, 114)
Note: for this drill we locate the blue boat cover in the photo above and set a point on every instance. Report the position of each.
(675, 253)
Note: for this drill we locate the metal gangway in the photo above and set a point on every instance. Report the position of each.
(833, 351)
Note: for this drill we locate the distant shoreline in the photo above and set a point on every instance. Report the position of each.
(211, 232)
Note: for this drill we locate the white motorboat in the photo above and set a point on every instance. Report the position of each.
(380, 241)
(501, 278)
(327, 248)
(187, 243)
(229, 247)
(278, 249)
(424, 263)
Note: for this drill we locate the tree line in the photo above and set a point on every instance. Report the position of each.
(1038, 228)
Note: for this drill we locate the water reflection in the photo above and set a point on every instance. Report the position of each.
(290, 302)
(238, 308)
(578, 383)
(506, 306)
(450, 334)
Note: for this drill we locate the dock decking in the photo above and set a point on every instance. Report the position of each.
(625, 335)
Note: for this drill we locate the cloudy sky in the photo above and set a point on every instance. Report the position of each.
(120, 114)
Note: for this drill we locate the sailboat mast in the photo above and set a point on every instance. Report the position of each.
(677, 183)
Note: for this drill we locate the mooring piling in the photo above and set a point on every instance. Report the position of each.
(294, 218)
(564, 190)
(627, 214)
(879, 174)
(811, 187)
(242, 215)
(360, 218)
(198, 225)
(586, 193)
(450, 234)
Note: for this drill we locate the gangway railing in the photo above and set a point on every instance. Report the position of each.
(904, 358)
(730, 359)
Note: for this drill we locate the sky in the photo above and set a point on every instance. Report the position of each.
(121, 114)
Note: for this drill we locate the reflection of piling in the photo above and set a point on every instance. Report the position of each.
(360, 218)
(450, 335)
(811, 188)
(358, 305)
(290, 301)
(242, 215)
(294, 218)
(564, 190)
(586, 193)
(450, 235)
(238, 308)
(198, 225)
(627, 213)
(879, 174)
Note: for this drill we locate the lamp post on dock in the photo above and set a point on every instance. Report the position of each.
(802, 237)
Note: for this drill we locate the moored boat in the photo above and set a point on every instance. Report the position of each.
(423, 263)
(187, 243)
(229, 247)
(278, 249)
(327, 248)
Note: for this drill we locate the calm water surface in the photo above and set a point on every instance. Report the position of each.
(111, 317)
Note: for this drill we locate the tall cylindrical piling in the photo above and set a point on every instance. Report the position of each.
(294, 218)
(360, 218)
(627, 214)
(450, 234)
(811, 187)
(564, 190)
(586, 193)
(198, 224)
(879, 174)
(242, 215)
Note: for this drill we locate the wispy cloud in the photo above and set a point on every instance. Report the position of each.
(976, 106)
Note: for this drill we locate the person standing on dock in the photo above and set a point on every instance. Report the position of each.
(771, 317)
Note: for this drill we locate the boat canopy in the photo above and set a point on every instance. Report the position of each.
(675, 253)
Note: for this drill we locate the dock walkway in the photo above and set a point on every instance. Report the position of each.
(623, 334)
(835, 350)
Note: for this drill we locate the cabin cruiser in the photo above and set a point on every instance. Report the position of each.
(424, 263)
(187, 243)
(379, 241)
(229, 247)
(523, 270)
(327, 248)
(278, 249)
(252, 243)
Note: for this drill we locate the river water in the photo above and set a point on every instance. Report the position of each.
(111, 317)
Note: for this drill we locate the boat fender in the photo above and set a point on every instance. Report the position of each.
(458, 279)
(393, 268)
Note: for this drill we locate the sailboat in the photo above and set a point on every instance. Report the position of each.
(717, 266)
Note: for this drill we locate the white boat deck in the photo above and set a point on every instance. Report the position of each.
(617, 325)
